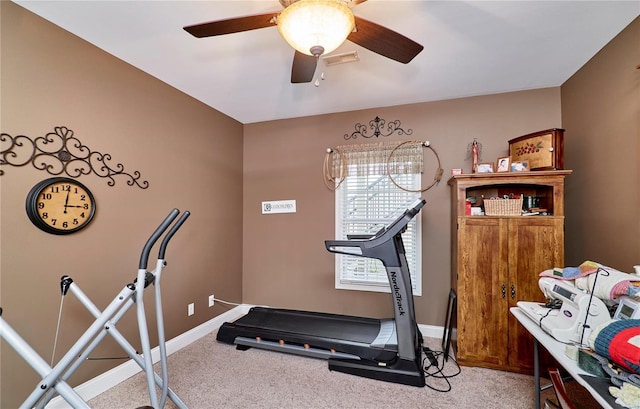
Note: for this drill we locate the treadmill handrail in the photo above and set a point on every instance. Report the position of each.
(385, 234)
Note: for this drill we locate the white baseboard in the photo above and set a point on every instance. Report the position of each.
(120, 373)
(431, 331)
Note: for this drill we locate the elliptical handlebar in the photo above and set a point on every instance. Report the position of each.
(144, 257)
(172, 231)
(154, 276)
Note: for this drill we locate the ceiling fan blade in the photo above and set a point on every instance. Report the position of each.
(384, 41)
(354, 3)
(303, 68)
(232, 25)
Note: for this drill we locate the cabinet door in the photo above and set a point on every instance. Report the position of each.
(482, 279)
(535, 244)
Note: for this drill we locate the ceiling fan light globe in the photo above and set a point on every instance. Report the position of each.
(309, 24)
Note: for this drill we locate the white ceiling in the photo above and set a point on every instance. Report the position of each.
(471, 48)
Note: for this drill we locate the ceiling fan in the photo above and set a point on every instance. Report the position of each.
(314, 28)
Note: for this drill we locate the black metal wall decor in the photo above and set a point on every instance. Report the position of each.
(378, 126)
(59, 152)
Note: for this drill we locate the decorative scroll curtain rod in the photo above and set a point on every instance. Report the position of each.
(377, 126)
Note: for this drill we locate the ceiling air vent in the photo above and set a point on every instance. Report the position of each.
(351, 56)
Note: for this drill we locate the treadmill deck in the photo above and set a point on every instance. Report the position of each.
(342, 333)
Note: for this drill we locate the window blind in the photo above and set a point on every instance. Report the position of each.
(366, 201)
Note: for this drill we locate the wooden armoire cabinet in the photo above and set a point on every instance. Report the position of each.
(496, 262)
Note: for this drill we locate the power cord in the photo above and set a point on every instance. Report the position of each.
(435, 368)
(543, 317)
(227, 302)
(553, 307)
(593, 289)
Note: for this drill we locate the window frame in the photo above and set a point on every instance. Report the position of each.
(416, 276)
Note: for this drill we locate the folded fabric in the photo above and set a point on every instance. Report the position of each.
(619, 341)
(616, 346)
(627, 396)
(606, 283)
(572, 273)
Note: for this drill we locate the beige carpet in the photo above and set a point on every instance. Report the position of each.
(208, 374)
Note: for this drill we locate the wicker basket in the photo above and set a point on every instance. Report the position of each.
(503, 207)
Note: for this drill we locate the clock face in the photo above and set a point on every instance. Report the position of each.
(60, 205)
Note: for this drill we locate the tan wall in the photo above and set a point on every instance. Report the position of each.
(193, 158)
(285, 263)
(601, 112)
(190, 154)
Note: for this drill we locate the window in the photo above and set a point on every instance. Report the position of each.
(366, 201)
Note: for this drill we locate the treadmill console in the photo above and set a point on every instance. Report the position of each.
(383, 245)
(406, 217)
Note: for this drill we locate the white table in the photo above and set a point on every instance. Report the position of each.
(557, 350)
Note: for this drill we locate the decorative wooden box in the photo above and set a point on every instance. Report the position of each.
(544, 150)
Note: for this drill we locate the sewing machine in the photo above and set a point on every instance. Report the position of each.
(628, 308)
(569, 323)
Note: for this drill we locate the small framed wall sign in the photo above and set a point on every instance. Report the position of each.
(279, 206)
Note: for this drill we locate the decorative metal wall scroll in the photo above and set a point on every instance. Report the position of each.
(59, 152)
(378, 126)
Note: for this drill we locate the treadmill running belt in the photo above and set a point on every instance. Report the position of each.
(354, 329)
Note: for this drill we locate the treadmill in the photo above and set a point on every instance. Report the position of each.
(384, 349)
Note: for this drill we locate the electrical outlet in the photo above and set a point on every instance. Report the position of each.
(212, 300)
(190, 309)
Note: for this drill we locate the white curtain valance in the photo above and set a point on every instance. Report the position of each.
(371, 159)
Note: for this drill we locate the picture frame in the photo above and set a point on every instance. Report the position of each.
(520, 166)
(503, 164)
(485, 167)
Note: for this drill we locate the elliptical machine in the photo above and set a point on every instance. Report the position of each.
(54, 380)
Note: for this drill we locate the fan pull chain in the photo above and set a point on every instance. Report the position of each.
(317, 83)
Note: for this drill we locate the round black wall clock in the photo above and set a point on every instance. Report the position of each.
(60, 205)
